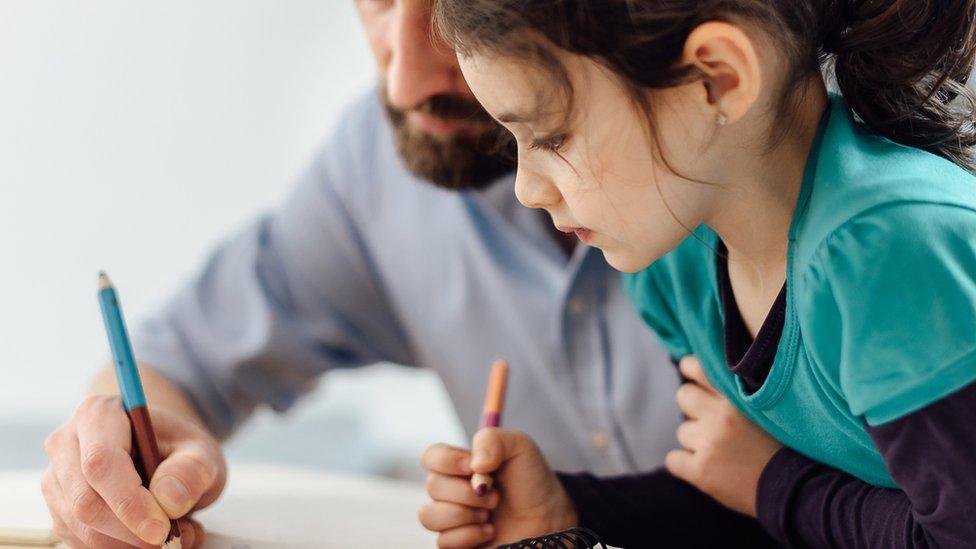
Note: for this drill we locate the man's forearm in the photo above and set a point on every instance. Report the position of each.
(161, 393)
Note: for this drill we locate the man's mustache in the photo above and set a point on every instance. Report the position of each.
(452, 107)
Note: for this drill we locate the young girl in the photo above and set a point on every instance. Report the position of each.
(810, 257)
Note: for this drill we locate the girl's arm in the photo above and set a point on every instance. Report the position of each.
(658, 509)
(931, 455)
(630, 510)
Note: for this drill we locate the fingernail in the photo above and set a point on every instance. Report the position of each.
(478, 457)
(172, 494)
(464, 464)
(482, 516)
(488, 529)
(153, 532)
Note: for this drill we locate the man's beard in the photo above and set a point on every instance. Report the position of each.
(458, 162)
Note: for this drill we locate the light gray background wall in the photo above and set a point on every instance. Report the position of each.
(134, 135)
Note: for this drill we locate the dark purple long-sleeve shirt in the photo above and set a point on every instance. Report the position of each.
(657, 509)
(930, 454)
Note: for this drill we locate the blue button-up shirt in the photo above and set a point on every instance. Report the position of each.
(366, 263)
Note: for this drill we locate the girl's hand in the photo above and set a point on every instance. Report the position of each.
(724, 453)
(526, 499)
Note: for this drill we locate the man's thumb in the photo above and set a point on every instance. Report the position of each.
(183, 479)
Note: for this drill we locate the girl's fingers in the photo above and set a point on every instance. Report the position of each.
(447, 460)
(681, 464)
(472, 535)
(694, 401)
(690, 435)
(458, 490)
(691, 368)
(438, 516)
(493, 446)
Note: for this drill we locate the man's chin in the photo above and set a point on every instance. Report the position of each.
(451, 141)
(456, 162)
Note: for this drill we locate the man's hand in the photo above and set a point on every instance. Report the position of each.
(724, 453)
(526, 500)
(94, 492)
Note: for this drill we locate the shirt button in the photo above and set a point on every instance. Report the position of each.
(577, 306)
(600, 440)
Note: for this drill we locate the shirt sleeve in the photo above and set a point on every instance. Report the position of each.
(648, 291)
(929, 454)
(287, 298)
(893, 306)
(656, 509)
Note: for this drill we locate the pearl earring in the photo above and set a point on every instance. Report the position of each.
(720, 118)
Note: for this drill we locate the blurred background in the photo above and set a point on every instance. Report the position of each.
(134, 136)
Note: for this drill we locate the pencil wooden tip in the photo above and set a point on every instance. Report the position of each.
(481, 483)
(103, 281)
(497, 379)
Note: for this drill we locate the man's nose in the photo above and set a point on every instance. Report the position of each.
(421, 65)
(534, 191)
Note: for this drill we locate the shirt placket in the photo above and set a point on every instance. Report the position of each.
(586, 350)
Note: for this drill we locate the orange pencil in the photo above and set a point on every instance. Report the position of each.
(492, 415)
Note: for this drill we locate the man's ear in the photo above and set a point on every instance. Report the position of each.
(727, 58)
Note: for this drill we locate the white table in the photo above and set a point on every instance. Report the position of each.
(274, 507)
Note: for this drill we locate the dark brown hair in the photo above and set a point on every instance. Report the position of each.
(902, 65)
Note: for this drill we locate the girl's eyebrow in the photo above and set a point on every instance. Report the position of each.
(514, 117)
(534, 114)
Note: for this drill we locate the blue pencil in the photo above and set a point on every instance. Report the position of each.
(145, 449)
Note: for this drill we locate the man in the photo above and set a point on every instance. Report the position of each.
(404, 243)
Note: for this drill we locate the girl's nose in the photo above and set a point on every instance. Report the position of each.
(533, 191)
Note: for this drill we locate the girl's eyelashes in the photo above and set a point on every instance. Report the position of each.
(552, 143)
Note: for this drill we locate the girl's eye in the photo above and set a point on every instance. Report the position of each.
(550, 144)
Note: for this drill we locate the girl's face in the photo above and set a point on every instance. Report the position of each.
(590, 162)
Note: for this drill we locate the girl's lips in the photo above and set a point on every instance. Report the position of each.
(585, 235)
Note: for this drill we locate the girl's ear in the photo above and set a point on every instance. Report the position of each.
(727, 58)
